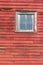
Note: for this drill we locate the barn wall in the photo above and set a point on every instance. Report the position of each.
(20, 48)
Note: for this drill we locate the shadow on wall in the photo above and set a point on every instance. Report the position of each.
(7, 9)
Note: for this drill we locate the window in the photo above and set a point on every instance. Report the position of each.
(26, 21)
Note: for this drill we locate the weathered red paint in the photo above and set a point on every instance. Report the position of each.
(20, 48)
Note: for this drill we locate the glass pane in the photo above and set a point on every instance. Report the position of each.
(29, 22)
(22, 19)
(22, 22)
(29, 26)
(22, 26)
(29, 18)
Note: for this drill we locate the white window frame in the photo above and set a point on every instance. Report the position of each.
(18, 22)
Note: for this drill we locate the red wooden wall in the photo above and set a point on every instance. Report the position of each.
(20, 48)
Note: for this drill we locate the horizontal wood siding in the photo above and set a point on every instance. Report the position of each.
(20, 48)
